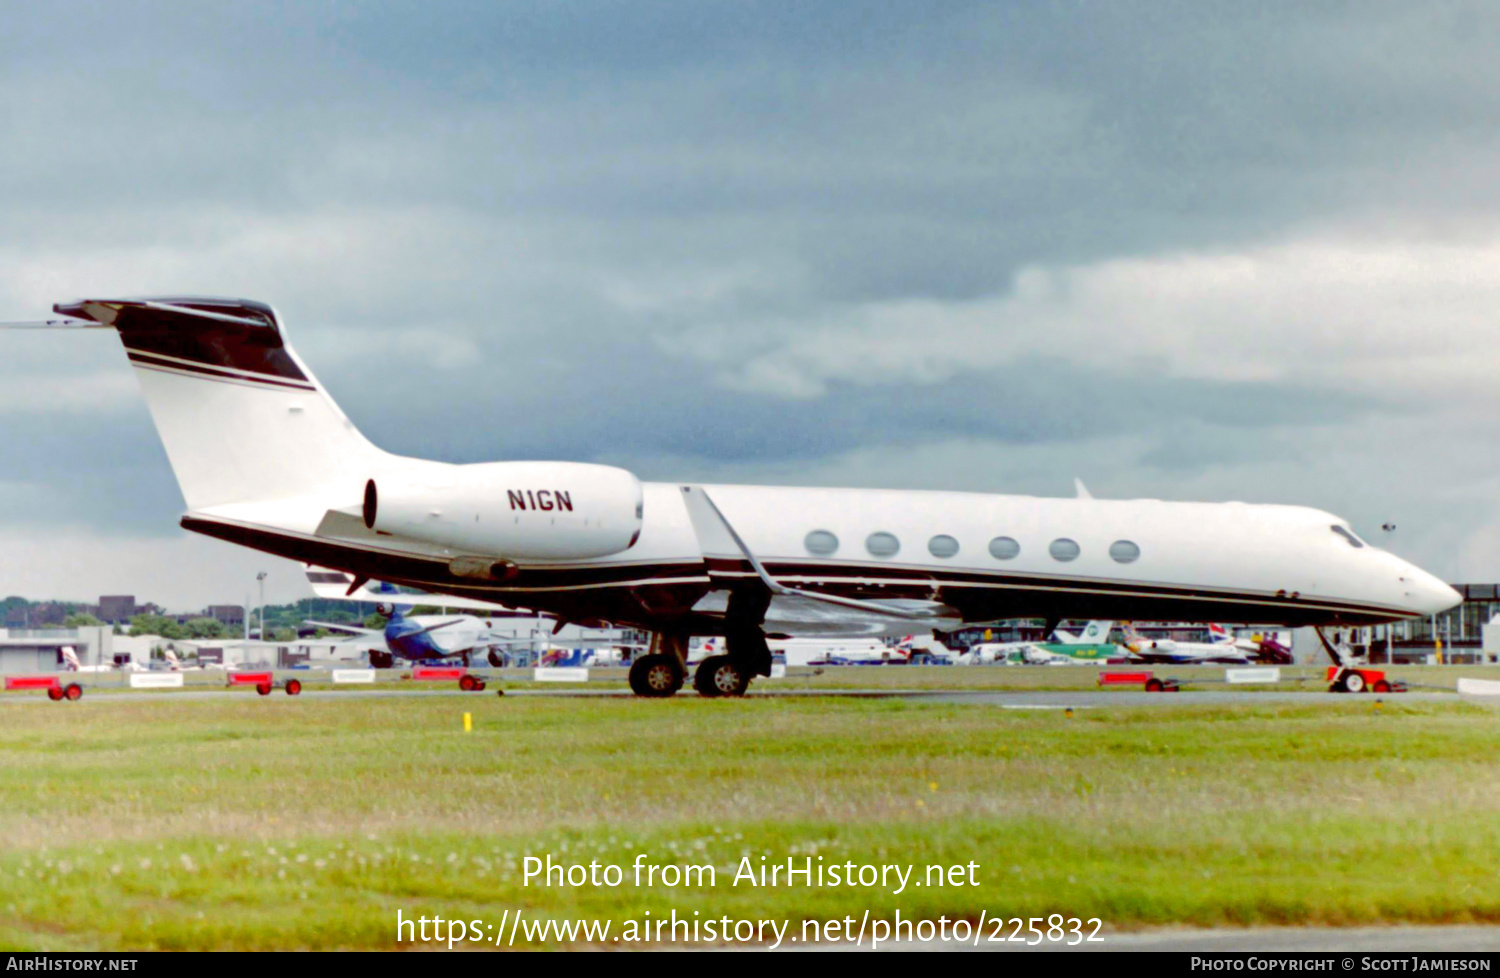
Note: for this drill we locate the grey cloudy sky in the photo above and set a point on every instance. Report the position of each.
(1193, 250)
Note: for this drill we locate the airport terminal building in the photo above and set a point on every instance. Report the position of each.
(32, 650)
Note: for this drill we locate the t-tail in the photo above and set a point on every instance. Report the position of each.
(241, 417)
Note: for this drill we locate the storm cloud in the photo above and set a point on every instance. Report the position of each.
(1187, 250)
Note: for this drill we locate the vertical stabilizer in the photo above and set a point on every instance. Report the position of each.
(241, 417)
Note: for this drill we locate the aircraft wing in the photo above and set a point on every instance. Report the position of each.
(799, 610)
(547, 641)
(338, 627)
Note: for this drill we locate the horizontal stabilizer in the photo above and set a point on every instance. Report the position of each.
(337, 627)
(53, 324)
(334, 584)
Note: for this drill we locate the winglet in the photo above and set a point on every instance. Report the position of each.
(1082, 490)
(715, 535)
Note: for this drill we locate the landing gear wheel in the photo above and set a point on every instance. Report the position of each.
(293, 687)
(495, 659)
(54, 693)
(466, 683)
(381, 660)
(1381, 686)
(655, 675)
(72, 691)
(263, 689)
(720, 675)
(1354, 682)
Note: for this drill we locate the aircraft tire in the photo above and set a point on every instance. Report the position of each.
(495, 659)
(721, 675)
(655, 676)
(702, 681)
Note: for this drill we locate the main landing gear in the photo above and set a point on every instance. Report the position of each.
(662, 671)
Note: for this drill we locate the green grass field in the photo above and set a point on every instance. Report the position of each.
(244, 822)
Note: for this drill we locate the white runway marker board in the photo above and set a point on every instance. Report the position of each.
(354, 675)
(560, 674)
(1272, 675)
(1479, 687)
(156, 680)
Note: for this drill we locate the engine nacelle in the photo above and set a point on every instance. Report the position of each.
(512, 510)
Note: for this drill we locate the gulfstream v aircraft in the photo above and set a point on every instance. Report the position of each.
(265, 459)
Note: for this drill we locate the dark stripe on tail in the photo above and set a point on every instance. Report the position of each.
(146, 360)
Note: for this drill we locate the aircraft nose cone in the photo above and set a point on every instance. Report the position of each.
(1426, 593)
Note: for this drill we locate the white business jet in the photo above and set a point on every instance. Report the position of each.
(1222, 648)
(265, 459)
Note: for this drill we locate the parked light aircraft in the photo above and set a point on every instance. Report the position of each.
(265, 459)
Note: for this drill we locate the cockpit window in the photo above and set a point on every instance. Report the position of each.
(1354, 541)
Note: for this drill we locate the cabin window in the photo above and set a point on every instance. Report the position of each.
(882, 544)
(1124, 552)
(1353, 540)
(942, 545)
(1005, 548)
(1064, 549)
(821, 542)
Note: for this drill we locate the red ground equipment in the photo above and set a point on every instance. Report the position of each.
(466, 682)
(1146, 679)
(54, 686)
(264, 682)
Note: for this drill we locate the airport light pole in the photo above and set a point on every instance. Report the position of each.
(261, 578)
